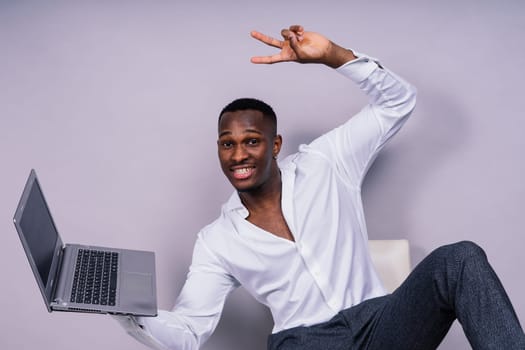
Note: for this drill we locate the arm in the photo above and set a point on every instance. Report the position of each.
(197, 309)
(353, 146)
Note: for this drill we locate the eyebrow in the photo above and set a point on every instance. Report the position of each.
(247, 131)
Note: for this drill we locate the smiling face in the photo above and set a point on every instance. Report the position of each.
(247, 146)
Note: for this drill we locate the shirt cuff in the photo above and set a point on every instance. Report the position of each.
(359, 69)
(132, 326)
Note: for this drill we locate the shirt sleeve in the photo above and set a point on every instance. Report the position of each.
(352, 147)
(199, 306)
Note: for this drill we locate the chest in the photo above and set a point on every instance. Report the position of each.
(273, 222)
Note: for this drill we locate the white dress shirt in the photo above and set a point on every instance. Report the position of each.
(328, 267)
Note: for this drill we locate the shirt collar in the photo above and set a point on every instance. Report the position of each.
(234, 203)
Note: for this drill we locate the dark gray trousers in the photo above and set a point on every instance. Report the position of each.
(453, 282)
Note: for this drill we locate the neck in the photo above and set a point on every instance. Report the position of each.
(264, 197)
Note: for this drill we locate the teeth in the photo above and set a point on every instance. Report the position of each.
(242, 171)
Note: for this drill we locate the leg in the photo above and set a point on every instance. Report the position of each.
(454, 281)
(331, 335)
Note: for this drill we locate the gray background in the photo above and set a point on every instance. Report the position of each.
(115, 105)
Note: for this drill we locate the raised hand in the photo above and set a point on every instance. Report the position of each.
(303, 47)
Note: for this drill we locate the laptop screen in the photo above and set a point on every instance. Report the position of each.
(38, 230)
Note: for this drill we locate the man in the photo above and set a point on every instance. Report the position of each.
(293, 235)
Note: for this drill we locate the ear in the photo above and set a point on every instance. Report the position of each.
(277, 143)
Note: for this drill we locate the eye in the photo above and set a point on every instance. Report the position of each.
(226, 144)
(252, 142)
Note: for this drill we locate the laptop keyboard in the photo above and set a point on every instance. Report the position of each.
(95, 279)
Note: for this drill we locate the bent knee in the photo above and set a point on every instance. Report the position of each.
(463, 250)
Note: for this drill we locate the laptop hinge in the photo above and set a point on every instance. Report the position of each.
(60, 283)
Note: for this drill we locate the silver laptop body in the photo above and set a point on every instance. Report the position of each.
(123, 281)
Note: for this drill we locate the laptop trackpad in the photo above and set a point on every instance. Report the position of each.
(137, 287)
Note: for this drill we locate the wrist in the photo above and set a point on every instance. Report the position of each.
(338, 56)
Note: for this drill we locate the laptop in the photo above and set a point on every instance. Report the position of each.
(82, 278)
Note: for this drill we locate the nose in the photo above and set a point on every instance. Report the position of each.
(239, 154)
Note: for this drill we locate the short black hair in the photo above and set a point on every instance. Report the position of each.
(242, 104)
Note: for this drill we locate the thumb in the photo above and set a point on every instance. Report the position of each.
(292, 37)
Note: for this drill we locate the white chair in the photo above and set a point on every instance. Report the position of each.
(391, 259)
